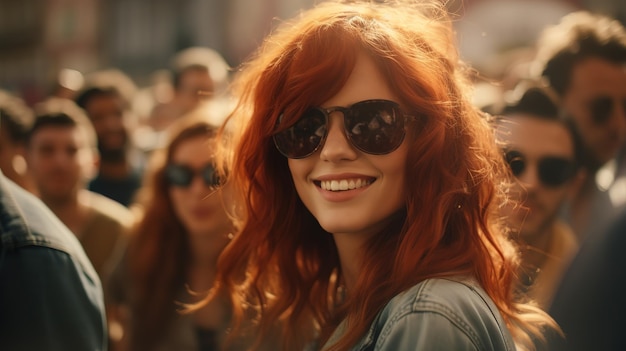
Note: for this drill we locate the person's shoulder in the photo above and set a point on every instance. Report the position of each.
(107, 210)
(457, 292)
(445, 313)
(459, 299)
(27, 222)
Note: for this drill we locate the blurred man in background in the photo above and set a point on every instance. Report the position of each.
(108, 107)
(544, 154)
(584, 60)
(61, 154)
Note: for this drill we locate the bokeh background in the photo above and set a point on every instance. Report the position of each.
(40, 37)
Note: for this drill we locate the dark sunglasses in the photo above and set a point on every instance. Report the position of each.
(601, 108)
(373, 126)
(182, 176)
(552, 171)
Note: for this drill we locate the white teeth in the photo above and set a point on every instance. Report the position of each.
(344, 184)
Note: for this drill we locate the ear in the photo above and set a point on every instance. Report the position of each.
(19, 163)
(28, 155)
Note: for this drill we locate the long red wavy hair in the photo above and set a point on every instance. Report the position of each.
(158, 253)
(282, 268)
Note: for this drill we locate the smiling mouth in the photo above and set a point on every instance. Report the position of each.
(344, 184)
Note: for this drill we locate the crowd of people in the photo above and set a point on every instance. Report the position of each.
(339, 190)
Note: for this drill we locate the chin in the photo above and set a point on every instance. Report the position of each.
(341, 227)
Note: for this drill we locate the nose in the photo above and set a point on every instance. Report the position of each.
(529, 179)
(113, 121)
(337, 147)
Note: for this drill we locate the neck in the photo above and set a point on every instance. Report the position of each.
(71, 210)
(534, 249)
(349, 248)
(205, 250)
(61, 204)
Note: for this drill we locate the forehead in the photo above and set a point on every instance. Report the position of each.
(365, 82)
(103, 101)
(195, 77)
(53, 135)
(534, 135)
(595, 76)
(195, 150)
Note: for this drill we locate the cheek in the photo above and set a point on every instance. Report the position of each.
(299, 170)
(394, 164)
(556, 196)
(177, 196)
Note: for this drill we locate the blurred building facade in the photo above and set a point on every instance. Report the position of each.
(40, 37)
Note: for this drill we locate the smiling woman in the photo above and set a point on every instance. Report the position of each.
(370, 186)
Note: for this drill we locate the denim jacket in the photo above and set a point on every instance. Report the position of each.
(50, 295)
(437, 314)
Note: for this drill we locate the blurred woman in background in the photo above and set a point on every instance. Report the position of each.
(172, 255)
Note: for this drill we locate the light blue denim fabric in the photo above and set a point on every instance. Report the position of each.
(437, 315)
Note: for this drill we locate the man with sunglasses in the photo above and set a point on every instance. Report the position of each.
(543, 153)
(584, 60)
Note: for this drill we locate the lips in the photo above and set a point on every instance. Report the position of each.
(346, 182)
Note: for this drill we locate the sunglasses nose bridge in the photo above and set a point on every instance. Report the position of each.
(336, 143)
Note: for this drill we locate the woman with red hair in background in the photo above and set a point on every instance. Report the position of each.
(370, 187)
(172, 255)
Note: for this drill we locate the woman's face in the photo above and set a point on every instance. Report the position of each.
(198, 206)
(375, 183)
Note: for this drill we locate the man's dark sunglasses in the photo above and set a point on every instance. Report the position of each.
(602, 108)
(373, 126)
(182, 175)
(552, 171)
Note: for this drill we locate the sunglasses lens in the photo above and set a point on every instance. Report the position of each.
(210, 177)
(516, 162)
(601, 109)
(375, 127)
(555, 171)
(304, 137)
(178, 175)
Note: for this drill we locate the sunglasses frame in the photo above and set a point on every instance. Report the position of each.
(602, 107)
(190, 174)
(347, 112)
(542, 172)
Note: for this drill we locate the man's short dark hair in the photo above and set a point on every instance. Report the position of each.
(86, 95)
(58, 112)
(579, 36)
(539, 101)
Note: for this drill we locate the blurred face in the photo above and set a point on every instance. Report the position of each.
(60, 160)
(199, 207)
(349, 191)
(106, 112)
(596, 99)
(537, 150)
(195, 85)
